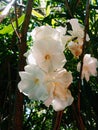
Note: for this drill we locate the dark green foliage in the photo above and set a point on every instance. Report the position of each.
(36, 115)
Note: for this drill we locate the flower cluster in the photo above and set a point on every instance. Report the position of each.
(44, 77)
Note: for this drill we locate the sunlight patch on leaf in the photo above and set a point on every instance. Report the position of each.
(9, 29)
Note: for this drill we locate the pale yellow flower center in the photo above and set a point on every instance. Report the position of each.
(56, 84)
(47, 57)
(36, 80)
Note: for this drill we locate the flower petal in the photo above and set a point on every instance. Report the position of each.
(59, 104)
(44, 32)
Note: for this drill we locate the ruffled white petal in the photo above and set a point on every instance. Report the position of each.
(44, 32)
(64, 78)
(59, 104)
(61, 30)
(29, 57)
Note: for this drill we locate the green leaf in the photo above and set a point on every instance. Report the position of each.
(9, 29)
(48, 10)
(38, 15)
(53, 22)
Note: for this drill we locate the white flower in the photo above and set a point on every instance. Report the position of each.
(75, 40)
(32, 83)
(49, 54)
(57, 86)
(89, 67)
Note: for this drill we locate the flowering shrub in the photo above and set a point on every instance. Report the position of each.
(44, 77)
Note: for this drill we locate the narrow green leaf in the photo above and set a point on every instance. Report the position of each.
(38, 15)
(48, 10)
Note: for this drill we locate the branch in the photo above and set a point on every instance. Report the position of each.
(57, 120)
(83, 49)
(77, 114)
(68, 8)
(26, 20)
(16, 32)
(22, 49)
(77, 3)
